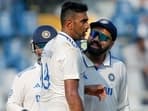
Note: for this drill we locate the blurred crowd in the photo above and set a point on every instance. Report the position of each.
(19, 18)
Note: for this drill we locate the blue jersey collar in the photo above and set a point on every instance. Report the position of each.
(68, 38)
(89, 63)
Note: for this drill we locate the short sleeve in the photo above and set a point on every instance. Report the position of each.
(73, 64)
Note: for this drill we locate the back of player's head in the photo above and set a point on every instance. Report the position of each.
(108, 25)
(42, 35)
(69, 7)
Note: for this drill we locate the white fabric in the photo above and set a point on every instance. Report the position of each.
(111, 74)
(135, 61)
(25, 91)
(61, 60)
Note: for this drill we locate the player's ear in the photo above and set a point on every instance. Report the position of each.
(69, 24)
(111, 44)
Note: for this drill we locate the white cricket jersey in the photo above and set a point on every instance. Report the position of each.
(25, 91)
(61, 60)
(111, 74)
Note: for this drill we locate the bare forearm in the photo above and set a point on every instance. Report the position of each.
(75, 103)
(94, 89)
(72, 95)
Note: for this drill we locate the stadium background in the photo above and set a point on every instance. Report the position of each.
(19, 18)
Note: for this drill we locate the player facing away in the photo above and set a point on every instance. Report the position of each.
(103, 68)
(62, 64)
(25, 91)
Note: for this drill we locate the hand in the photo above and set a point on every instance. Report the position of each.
(96, 90)
(100, 92)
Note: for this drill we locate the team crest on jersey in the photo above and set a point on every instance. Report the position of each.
(46, 34)
(111, 77)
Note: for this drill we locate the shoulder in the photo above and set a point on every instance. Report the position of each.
(117, 62)
(66, 40)
(66, 48)
(27, 71)
(118, 67)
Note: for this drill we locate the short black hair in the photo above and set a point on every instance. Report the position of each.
(69, 7)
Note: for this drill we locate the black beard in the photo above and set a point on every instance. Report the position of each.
(96, 52)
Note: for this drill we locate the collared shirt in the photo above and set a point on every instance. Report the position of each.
(25, 91)
(111, 74)
(61, 60)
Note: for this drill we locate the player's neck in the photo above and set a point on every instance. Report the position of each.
(97, 60)
(68, 32)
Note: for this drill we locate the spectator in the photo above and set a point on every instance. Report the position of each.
(136, 58)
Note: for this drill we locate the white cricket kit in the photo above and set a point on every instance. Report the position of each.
(25, 91)
(111, 74)
(61, 60)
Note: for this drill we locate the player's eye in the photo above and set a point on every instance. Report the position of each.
(101, 36)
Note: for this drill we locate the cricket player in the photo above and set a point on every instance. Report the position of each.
(103, 68)
(25, 92)
(62, 63)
